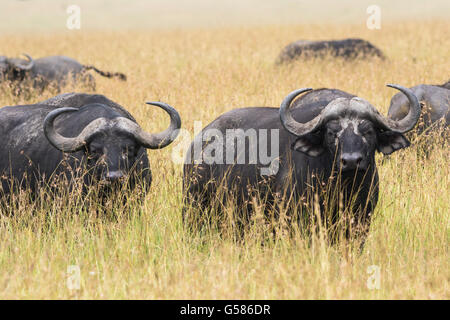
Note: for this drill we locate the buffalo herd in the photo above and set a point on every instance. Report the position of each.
(317, 139)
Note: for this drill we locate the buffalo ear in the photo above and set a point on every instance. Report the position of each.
(309, 144)
(389, 142)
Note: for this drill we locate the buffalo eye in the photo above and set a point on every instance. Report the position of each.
(366, 129)
(128, 152)
(333, 127)
(369, 132)
(331, 135)
(95, 151)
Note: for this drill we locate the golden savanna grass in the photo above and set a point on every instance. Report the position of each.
(143, 251)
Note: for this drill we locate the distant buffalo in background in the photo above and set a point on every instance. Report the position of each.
(346, 48)
(435, 102)
(49, 72)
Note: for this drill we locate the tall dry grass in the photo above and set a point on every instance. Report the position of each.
(142, 251)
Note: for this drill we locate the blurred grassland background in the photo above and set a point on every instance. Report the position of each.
(205, 58)
(50, 15)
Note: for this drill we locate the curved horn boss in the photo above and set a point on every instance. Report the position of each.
(300, 129)
(147, 140)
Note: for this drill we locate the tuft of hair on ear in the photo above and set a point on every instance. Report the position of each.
(389, 142)
(309, 144)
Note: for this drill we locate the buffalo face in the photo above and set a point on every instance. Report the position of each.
(351, 130)
(111, 156)
(113, 148)
(353, 141)
(14, 69)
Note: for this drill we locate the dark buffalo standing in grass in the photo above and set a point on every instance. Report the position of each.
(435, 102)
(331, 143)
(77, 135)
(346, 48)
(49, 72)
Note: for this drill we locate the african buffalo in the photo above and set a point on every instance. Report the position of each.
(247, 152)
(48, 72)
(74, 135)
(346, 48)
(435, 102)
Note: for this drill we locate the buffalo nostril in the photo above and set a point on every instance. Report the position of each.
(114, 175)
(351, 161)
